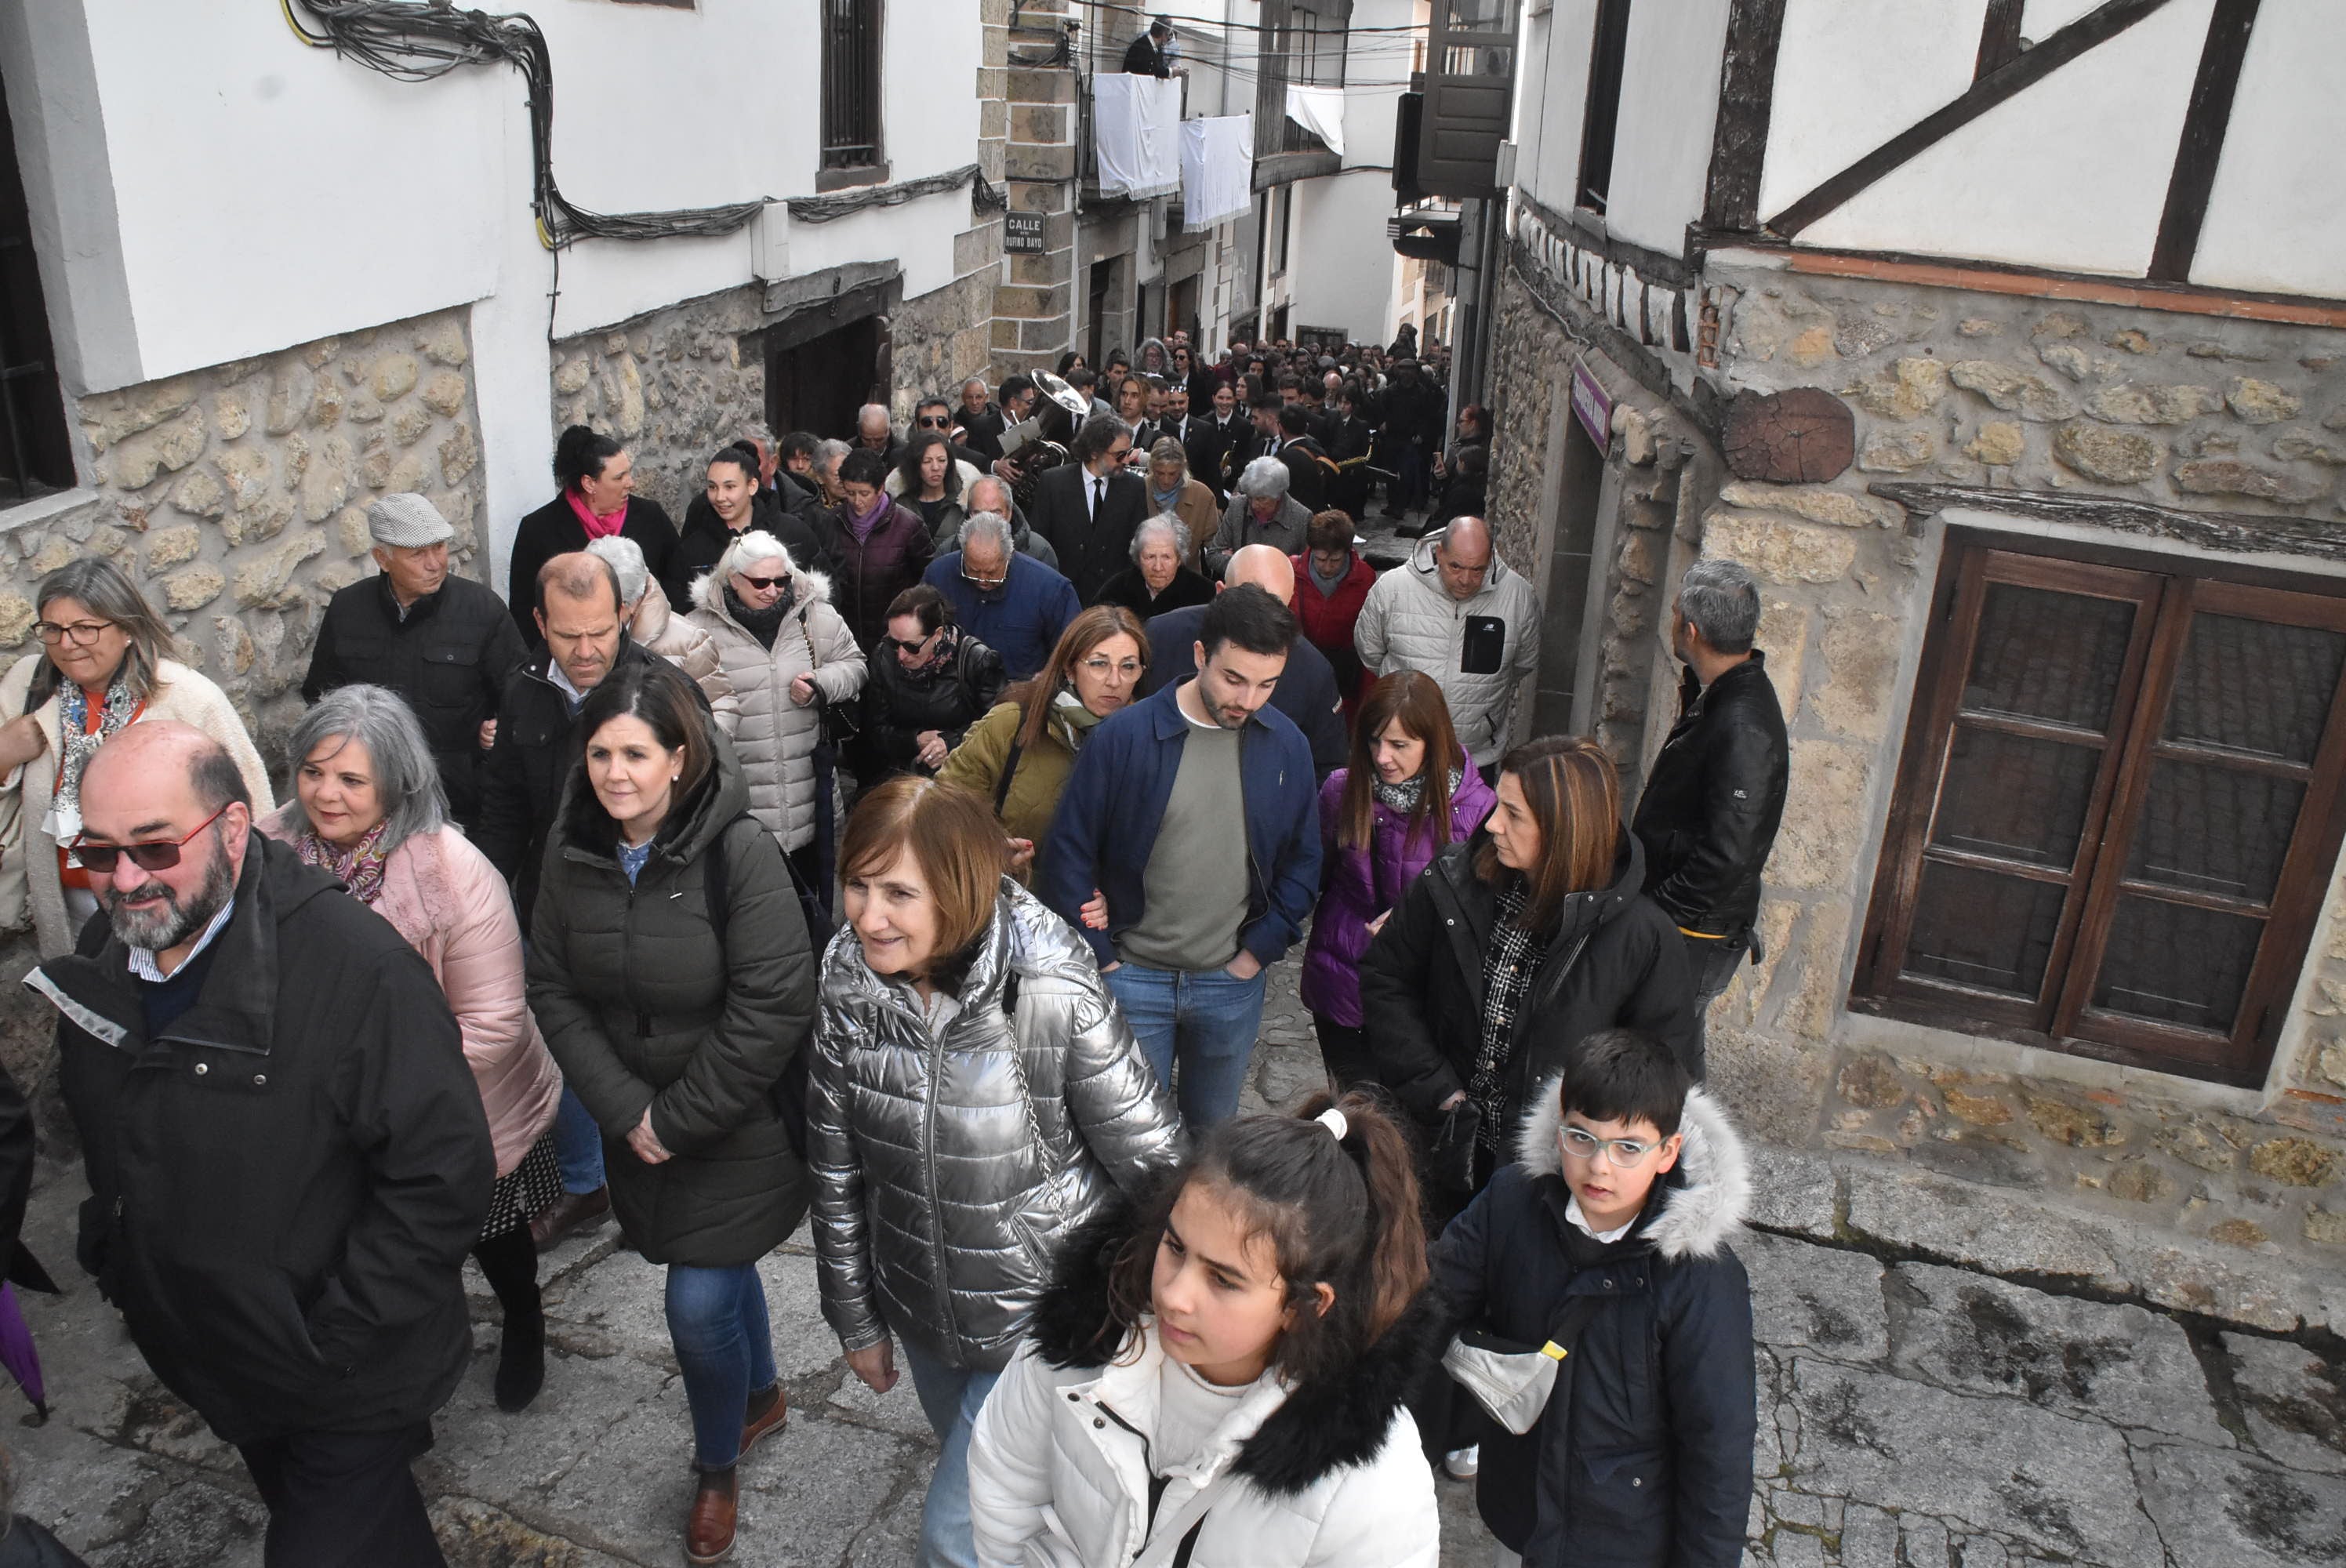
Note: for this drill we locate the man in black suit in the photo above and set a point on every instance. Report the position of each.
(1175, 421)
(1305, 459)
(1210, 435)
(1147, 55)
(1348, 443)
(1088, 508)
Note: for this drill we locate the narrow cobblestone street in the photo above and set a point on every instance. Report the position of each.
(1912, 1416)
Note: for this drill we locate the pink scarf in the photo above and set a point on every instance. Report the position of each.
(597, 526)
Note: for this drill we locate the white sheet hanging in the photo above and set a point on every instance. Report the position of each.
(1321, 111)
(1217, 170)
(1136, 133)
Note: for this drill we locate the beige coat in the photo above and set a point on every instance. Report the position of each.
(30, 893)
(688, 646)
(442, 895)
(775, 738)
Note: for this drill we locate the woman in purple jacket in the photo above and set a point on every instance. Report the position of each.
(1410, 791)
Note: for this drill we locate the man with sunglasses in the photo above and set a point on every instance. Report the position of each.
(286, 1152)
(935, 414)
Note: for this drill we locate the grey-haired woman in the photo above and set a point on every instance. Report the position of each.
(105, 664)
(368, 810)
(1261, 512)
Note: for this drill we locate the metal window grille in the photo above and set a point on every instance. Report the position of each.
(851, 83)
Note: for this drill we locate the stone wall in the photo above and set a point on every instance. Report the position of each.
(1996, 392)
(673, 386)
(236, 498)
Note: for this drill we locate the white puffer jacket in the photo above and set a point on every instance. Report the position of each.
(774, 737)
(1410, 622)
(1325, 1475)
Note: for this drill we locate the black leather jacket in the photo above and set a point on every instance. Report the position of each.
(1709, 815)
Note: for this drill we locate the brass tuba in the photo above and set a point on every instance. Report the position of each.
(1039, 442)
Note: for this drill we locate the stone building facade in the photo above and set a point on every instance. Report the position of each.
(236, 498)
(2226, 434)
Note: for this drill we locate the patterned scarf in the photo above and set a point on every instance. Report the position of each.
(1507, 972)
(1402, 796)
(938, 658)
(79, 746)
(359, 868)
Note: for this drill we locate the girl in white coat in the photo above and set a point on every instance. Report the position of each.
(1218, 1381)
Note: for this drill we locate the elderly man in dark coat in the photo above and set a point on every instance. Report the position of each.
(286, 1155)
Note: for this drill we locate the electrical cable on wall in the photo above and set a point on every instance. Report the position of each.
(412, 42)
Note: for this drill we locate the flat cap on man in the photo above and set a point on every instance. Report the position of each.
(406, 521)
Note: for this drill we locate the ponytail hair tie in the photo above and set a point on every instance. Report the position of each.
(1333, 1120)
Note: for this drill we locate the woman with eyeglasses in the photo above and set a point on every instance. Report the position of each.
(1019, 756)
(789, 654)
(930, 682)
(368, 811)
(105, 664)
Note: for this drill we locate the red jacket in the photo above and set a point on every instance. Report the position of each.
(1328, 622)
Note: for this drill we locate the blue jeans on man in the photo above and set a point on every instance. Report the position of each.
(951, 1397)
(1197, 1029)
(578, 1146)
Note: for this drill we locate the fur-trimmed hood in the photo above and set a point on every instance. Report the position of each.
(1705, 1197)
(1314, 1432)
(811, 588)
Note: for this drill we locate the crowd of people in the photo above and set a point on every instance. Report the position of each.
(539, 934)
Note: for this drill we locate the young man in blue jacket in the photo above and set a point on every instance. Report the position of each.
(1195, 913)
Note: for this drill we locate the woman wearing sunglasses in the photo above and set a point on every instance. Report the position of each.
(104, 665)
(930, 681)
(368, 811)
(789, 654)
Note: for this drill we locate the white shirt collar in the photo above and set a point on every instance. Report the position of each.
(142, 958)
(1572, 1212)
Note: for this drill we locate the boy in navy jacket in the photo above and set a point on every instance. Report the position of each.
(1627, 1185)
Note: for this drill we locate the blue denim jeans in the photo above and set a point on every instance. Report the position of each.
(577, 1145)
(717, 1321)
(1202, 1021)
(951, 1397)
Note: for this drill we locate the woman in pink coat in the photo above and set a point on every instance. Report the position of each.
(368, 811)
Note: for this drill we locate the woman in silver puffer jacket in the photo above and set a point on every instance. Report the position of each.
(975, 1097)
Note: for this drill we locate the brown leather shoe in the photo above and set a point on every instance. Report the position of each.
(761, 1422)
(571, 1211)
(708, 1529)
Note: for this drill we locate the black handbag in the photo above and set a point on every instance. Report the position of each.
(1450, 1148)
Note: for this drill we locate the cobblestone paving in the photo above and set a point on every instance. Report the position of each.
(1912, 1416)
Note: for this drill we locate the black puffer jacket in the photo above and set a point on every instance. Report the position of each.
(1712, 802)
(521, 785)
(449, 657)
(646, 1006)
(704, 536)
(1646, 1462)
(284, 1183)
(1614, 959)
(899, 704)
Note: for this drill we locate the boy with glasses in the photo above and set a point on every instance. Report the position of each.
(1608, 1241)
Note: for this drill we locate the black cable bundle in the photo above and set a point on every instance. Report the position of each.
(412, 42)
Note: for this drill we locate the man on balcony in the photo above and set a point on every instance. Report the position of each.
(1147, 55)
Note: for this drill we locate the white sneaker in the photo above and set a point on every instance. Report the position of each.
(1464, 1463)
